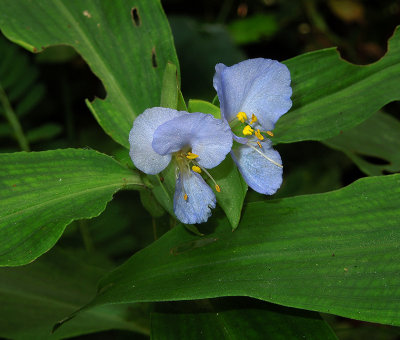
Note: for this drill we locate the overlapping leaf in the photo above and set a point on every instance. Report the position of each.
(241, 323)
(376, 139)
(34, 297)
(336, 252)
(331, 95)
(42, 192)
(126, 44)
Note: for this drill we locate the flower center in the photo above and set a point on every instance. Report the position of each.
(244, 126)
(186, 161)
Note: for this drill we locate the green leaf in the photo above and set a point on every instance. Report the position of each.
(252, 28)
(42, 192)
(233, 187)
(151, 204)
(377, 137)
(277, 323)
(170, 87)
(44, 132)
(336, 252)
(36, 296)
(331, 95)
(126, 44)
(196, 105)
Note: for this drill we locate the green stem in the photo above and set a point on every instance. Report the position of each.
(13, 120)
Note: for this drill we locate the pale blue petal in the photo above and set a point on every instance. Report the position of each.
(141, 137)
(259, 173)
(200, 199)
(254, 86)
(202, 134)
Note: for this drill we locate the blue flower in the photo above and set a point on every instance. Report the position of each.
(253, 95)
(195, 141)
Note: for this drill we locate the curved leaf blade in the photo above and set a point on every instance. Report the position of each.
(331, 95)
(126, 44)
(42, 192)
(336, 252)
(377, 137)
(242, 323)
(34, 297)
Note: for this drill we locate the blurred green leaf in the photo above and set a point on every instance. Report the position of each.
(20, 90)
(336, 252)
(126, 44)
(233, 187)
(44, 132)
(151, 204)
(42, 192)
(200, 47)
(244, 323)
(36, 296)
(331, 95)
(251, 29)
(376, 139)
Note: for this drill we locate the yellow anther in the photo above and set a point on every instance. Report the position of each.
(185, 197)
(190, 155)
(259, 135)
(196, 168)
(270, 133)
(218, 188)
(259, 144)
(247, 131)
(253, 118)
(241, 116)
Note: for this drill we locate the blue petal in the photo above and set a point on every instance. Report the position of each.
(255, 86)
(200, 198)
(141, 137)
(202, 134)
(260, 174)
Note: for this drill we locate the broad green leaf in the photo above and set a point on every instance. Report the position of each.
(233, 187)
(126, 44)
(243, 323)
(36, 296)
(336, 252)
(42, 192)
(331, 95)
(377, 137)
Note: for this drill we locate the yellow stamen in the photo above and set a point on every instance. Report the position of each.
(185, 197)
(270, 133)
(247, 131)
(259, 135)
(196, 168)
(190, 155)
(259, 144)
(218, 188)
(241, 116)
(253, 118)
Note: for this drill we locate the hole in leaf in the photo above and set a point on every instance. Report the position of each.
(374, 160)
(135, 16)
(154, 57)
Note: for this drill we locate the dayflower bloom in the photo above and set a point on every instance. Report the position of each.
(195, 142)
(253, 94)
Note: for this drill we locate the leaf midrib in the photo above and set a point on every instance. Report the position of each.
(65, 197)
(108, 74)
